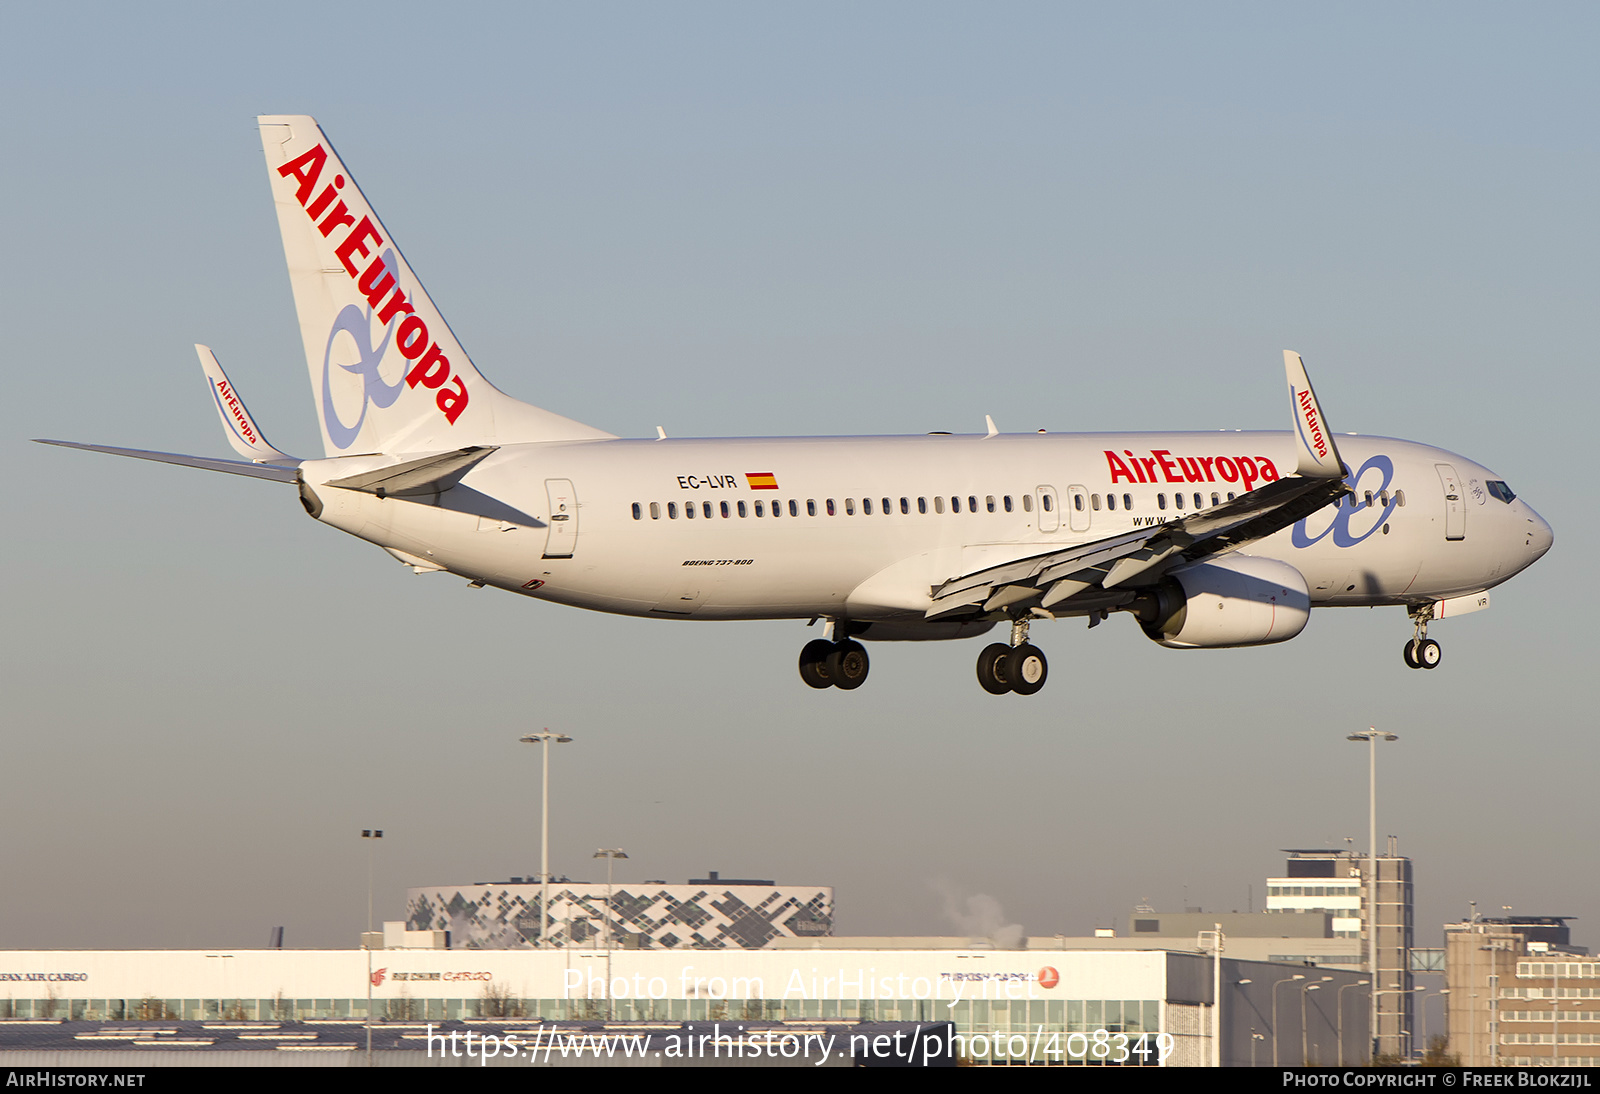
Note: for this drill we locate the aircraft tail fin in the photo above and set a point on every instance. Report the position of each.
(386, 370)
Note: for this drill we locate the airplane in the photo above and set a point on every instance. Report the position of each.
(1207, 539)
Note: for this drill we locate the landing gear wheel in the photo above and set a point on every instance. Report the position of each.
(814, 663)
(1409, 652)
(1429, 654)
(847, 665)
(992, 669)
(1026, 668)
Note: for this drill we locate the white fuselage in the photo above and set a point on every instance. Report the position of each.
(864, 528)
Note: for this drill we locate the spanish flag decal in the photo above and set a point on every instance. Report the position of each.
(761, 480)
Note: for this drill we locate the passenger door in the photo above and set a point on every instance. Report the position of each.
(1049, 508)
(563, 534)
(1455, 505)
(1078, 512)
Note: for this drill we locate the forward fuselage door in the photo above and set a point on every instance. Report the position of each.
(1078, 508)
(1049, 508)
(1455, 505)
(563, 535)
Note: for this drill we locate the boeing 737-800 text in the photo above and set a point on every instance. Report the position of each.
(1208, 540)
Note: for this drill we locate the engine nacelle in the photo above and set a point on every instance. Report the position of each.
(1235, 600)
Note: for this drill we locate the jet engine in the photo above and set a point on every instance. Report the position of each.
(1233, 600)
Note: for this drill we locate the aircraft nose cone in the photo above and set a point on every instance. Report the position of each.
(1540, 535)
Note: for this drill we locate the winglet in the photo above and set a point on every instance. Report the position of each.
(243, 434)
(1318, 456)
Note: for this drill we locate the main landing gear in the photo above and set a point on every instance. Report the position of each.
(1019, 667)
(1422, 652)
(825, 664)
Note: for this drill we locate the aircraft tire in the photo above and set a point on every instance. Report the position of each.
(1429, 654)
(814, 663)
(992, 669)
(848, 665)
(1027, 669)
(1408, 651)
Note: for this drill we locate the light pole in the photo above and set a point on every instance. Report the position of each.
(544, 737)
(1372, 736)
(610, 854)
(1342, 989)
(370, 834)
(1442, 992)
(1290, 980)
(1307, 989)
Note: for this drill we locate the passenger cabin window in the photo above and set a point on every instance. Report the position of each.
(707, 510)
(672, 510)
(831, 513)
(1216, 499)
(1008, 503)
(688, 510)
(741, 509)
(760, 510)
(1177, 499)
(905, 505)
(988, 502)
(724, 510)
(972, 504)
(811, 507)
(866, 507)
(1027, 503)
(1400, 498)
(1127, 501)
(1047, 502)
(887, 508)
(922, 505)
(794, 508)
(638, 513)
(849, 507)
(1094, 501)
(938, 505)
(1161, 501)
(655, 510)
(1199, 502)
(1077, 502)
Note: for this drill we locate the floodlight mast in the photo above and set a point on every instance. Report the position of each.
(544, 737)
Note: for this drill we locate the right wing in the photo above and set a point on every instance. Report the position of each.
(1089, 571)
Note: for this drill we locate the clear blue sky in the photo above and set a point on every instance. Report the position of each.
(765, 219)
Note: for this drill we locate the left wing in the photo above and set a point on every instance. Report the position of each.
(1090, 570)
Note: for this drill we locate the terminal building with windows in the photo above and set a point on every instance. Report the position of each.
(1521, 995)
(1066, 1007)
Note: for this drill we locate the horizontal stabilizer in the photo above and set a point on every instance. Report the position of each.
(275, 472)
(426, 477)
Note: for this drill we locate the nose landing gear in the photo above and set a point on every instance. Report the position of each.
(1020, 667)
(1422, 652)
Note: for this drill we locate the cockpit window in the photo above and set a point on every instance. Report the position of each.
(1501, 491)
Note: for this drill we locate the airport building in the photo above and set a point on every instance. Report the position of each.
(703, 913)
(1521, 995)
(1068, 1007)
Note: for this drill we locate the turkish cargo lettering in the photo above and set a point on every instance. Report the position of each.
(1241, 469)
(375, 280)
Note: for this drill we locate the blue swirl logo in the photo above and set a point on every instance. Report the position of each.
(1344, 513)
(357, 324)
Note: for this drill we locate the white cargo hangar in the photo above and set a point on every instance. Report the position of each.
(1006, 1003)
